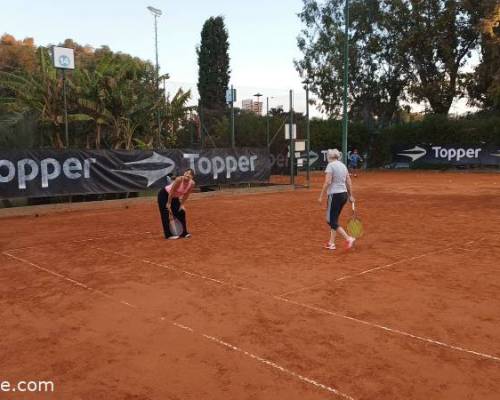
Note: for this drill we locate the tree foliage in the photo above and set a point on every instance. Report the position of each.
(400, 50)
(213, 64)
(17, 54)
(443, 34)
(39, 91)
(112, 97)
(484, 83)
(379, 67)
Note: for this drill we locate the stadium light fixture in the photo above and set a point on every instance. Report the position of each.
(155, 11)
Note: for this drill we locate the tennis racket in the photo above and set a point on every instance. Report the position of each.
(175, 226)
(354, 225)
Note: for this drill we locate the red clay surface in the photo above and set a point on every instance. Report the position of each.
(252, 307)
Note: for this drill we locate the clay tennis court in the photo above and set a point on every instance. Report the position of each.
(252, 306)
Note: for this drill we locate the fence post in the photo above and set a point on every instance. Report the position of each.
(292, 143)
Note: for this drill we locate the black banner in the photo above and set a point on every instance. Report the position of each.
(280, 162)
(448, 155)
(51, 173)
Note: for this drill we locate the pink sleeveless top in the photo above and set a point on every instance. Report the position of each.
(181, 190)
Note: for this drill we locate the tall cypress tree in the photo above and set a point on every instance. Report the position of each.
(213, 64)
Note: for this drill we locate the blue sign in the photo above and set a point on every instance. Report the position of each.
(64, 61)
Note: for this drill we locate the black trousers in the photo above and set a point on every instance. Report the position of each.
(175, 205)
(335, 204)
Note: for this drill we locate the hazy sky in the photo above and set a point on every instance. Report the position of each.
(262, 37)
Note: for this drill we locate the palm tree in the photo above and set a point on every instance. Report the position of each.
(118, 94)
(92, 95)
(40, 91)
(176, 115)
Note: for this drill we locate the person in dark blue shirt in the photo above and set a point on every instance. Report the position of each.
(355, 161)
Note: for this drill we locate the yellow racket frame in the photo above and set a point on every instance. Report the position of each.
(354, 225)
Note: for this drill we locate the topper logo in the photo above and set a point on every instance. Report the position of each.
(414, 153)
(152, 175)
(49, 169)
(456, 154)
(217, 165)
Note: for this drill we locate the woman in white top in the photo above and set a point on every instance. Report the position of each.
(339, 189)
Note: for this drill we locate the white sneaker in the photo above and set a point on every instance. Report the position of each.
(330, 246)
(350, 242)
(173, 237)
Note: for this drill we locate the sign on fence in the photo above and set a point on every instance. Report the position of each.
(280, 162)
(63, 58)
(448, 155)
(51, 173)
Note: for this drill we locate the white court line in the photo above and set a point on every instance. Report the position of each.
(82, 240)
(320, 310)
(74, 282)
(381, 267)
(180, 271)
(394, 263)
(220, 342)
(279, 367)
(397, 331)
(344, 277)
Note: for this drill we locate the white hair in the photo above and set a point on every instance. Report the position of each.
(333, 154)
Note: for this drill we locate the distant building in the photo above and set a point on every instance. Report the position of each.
(247, 104)
(253, 106)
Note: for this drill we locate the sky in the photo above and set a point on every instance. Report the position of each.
(262, 38)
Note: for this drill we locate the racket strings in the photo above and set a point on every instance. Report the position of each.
(355, 228)
(175, 226)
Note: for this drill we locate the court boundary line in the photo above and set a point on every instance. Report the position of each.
(393, 330)
(80, 240)
(356, 274)
(66, 278)
(177, 270)
(220, 342)
(315, 308)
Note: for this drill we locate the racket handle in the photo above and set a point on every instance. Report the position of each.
(353, 207)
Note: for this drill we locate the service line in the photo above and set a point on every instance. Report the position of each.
(321, 310)
(185, 328)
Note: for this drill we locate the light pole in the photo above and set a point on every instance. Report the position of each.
(267, 120)
(66, 134)
(233, 141)
(308, 132)
(157, 13)
(346, 75)
(64, 58)
(292, 142)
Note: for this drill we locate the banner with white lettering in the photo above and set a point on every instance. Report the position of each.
(43, 173)
(448, 155)
(280, 162)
